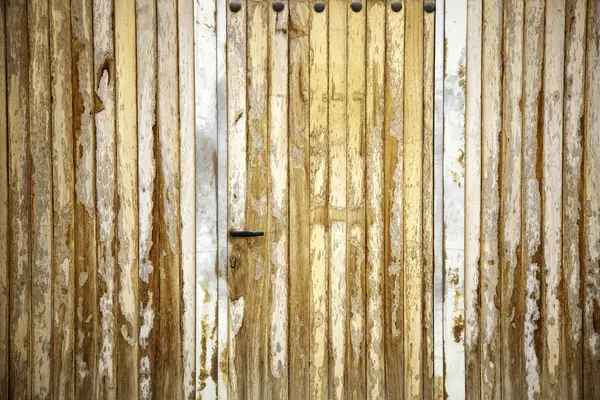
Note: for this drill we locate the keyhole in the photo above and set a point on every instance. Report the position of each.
(232, 262)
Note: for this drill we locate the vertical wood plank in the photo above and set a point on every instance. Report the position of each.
(236, 178)
(319, 183)
(19, 274)
(428, 200)
(104, 119)
(299, 277)
(473, 198)
(185, 38)
(511, 269)
(554, 355)
(63, 182)
(393, 203)
(573, 190)
(533, 53)
(85, 198)
(454, 198)
(337, 196)
(170, 362)
(40, 142)
(356, 184)
(278, 209)
(438, 218)
(375, 104)
(148, 206)
(413, 195)
(4, 255)
(127, 200)
(591, 322)
(490, 202)
(205, 52)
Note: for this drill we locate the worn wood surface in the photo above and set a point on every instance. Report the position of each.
(4, 254)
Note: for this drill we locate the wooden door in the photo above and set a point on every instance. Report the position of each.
(330, 154)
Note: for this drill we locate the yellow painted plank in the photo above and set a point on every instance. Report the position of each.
(375, 110)
(85, 198)
(127, 188)
(170, 362)
(4, 257)
(394, 201)
(63, 182)
(337, 196)
(104, 119)
(355, 250)
(40, 143)
(299, 334)
(490, 202)
(318, 127)
(513, 287)
(19, 274)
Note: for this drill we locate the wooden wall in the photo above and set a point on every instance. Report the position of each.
(114, 198)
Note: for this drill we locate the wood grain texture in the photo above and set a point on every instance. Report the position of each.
(512, 308)
(148, 203)
(319, 184)
(40, 142)
(19, 169)
(85, 198)
(394, 202)
(355, 197)
(4, 255)
(491, 121)
(104, 121)
(127, 201)
(473, 198)
(299, 273)
(591, 219)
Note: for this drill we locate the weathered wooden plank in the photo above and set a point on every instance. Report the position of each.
(454, 198)
(170, 361)
(413, 197)
(205, 53)
(4, 255)
(491, 122)
(375, 71)
(591, 204)
(472, 249)
(355, 250)
(572, 191)
(337, 196)
(40, 142)
(533, 53)
(512, 310)
(63, 382)
(185, 38)
(393, 203)
(278, 209)
(85, 198)
(299, 274)
(127, 200)
(438, 218)
(319, 177)
(148, 280)
(236, 188)
(428, 201)
(19, 224)
(104, 118)
(553, 373)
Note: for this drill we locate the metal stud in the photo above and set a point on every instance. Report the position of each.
(430, 7)
(356, 6)
(278, 6)
(396, 6)
(319, 6)
(235, 6)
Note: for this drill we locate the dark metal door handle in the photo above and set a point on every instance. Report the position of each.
(234, 233)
